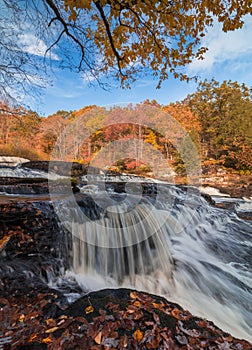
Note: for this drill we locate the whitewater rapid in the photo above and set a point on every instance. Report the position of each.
(174, 244)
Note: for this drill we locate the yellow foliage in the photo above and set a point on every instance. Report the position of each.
(89, 309)
(133, 32)
(32, 338)
(47, 340)
(138, 335)
(137, 303)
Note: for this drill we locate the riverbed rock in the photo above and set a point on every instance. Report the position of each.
(58, 167)
(33, 247)
(17, 185)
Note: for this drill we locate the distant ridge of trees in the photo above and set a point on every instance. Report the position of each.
(217, 117)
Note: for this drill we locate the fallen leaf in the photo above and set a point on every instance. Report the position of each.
(124, 341)
(3, 242)
(138, 335)
(4, 302)
(97, 339)
(32, 338)
(63, 317)
(47, 340)
(82, 320)
(156, 318)
(51, 330)
(89, 309)
(138, 315)
(109, 343)
(60, 322)
(176, 313)
(181, 339)
(50, 322)
(153, 343)
(137, 303)
(131, 309)
(102, 312)
(21, 318)
(192, 332)
(133, 295)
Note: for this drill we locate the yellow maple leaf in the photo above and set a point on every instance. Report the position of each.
(89, 309)
(137, 303)
(47, 340)
(138, 335)
(32, 337)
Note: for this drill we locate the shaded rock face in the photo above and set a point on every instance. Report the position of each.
(23, 186)
(60, 168)
(33, 247)
(15, 185)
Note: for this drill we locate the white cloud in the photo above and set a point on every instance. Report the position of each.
(145, 83)
(34, 46)
(224, 46)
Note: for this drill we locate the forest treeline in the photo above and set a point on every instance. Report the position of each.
(217, 119)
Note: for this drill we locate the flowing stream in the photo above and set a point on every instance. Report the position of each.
(173, 243)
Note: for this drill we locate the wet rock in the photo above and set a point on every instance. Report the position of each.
(14, 185)
(33, 247)
(61, 168)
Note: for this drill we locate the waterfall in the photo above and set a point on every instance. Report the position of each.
(173, 244)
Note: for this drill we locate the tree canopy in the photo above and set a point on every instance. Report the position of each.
(120, 39)
(225, 114)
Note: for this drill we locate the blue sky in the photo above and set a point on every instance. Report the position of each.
(228, 57)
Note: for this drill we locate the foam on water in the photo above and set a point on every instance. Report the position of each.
(212, 191)
(245, 206)
(23, 172)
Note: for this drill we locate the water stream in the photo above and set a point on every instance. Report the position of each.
(173, 244)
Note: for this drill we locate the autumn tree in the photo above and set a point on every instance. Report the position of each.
(225, 114)
(121, 39)
(18, 130)
(50, 130)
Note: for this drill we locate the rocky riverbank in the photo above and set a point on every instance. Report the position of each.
(235, 185)
(231, 183)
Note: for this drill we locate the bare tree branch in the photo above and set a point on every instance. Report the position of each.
(58, 17)
(108, 31)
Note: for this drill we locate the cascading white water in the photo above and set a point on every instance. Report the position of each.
(181, 247)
